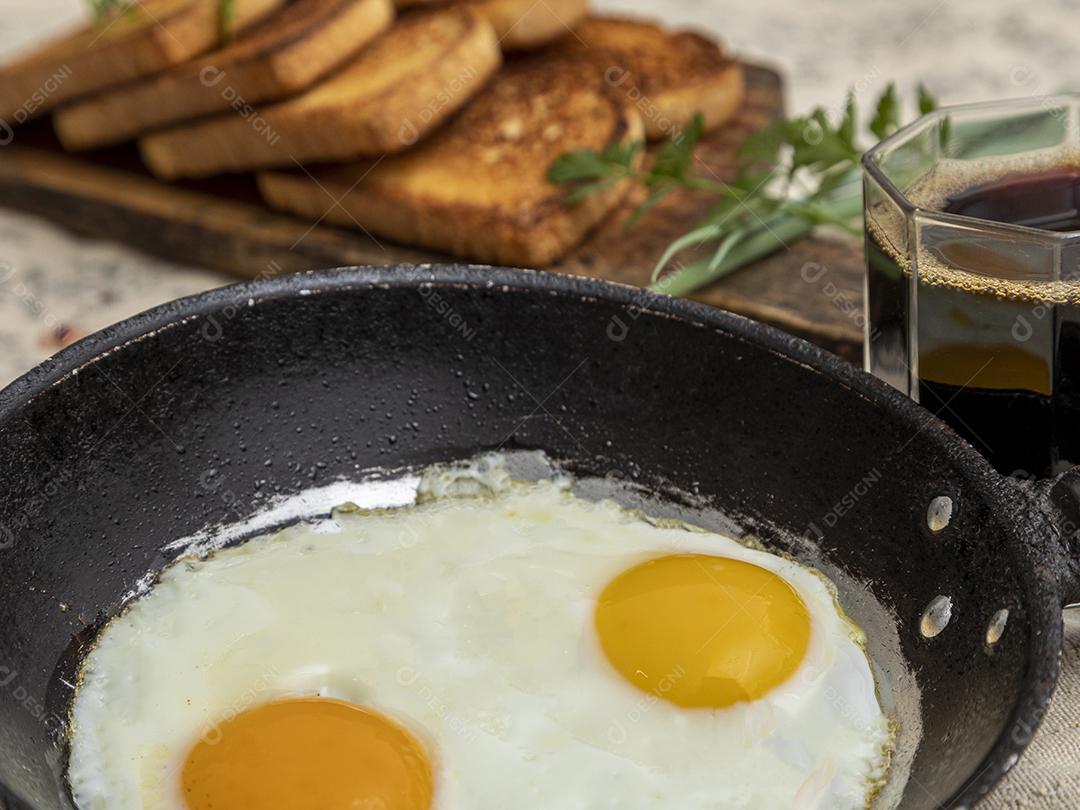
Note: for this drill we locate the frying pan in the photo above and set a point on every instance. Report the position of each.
(203, 411)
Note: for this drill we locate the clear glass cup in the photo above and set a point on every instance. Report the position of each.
(979, 320)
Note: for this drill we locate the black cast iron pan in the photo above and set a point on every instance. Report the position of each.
(268, 388)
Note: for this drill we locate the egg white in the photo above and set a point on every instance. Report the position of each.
(470, 621)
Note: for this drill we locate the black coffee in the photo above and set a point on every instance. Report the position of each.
(991, 356)
(1049, 200)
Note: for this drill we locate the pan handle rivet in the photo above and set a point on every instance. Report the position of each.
(936, 616)
(939, 513)
(996, 628)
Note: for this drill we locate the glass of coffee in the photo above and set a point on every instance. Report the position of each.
(972, 220)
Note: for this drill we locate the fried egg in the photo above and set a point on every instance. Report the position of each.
(497, 644)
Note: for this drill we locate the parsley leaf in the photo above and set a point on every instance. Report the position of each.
(107, 9)
(927, 102)
(104, 11)
(795, 174)
(586, 164)
(675, 159)
(887, 115)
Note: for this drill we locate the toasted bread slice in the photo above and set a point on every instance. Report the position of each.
(523, 24)
(478, 188)
(282, 56)
(668, 75)
(152, 36)
(400, 87)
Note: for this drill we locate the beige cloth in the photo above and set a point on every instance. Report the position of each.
(1048, 774)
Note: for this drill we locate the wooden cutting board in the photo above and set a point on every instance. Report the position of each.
(813, 289)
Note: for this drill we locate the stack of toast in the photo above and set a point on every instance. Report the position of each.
(427, 122)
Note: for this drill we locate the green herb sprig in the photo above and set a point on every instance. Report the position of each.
(226, 17)
(795, 175)
(106, 10)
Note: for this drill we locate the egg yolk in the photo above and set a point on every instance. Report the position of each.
(702, 631)
(307, 754)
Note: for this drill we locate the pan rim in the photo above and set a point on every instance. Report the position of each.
(144, 324)
(1041, 672)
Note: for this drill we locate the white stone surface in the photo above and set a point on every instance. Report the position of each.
(51, 282)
